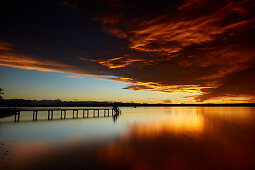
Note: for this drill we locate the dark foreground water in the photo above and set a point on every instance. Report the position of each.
(141, 138)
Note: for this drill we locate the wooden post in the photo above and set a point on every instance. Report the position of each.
(18, 115)
(36, 112)
(63, 112)
(51, 114)
(33, 115)
(77, 113)
(48, 114)
(97, 112)
(87, 113)
(73, 114)
(94, 113)
(83, 113)
(15, 117)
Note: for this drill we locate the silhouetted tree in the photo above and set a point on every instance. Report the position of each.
(1, 92)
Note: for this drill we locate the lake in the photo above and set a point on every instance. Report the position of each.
(140, 138)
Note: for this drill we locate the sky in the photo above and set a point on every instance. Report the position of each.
(178, 51)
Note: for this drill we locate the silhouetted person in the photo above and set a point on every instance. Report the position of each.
(115, 108)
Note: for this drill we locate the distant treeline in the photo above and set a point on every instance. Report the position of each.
(58, 103)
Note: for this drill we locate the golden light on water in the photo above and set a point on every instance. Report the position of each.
(188, 124)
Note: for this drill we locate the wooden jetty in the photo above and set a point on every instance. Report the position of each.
(86, 112)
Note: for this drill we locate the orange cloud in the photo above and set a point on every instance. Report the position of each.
(118, 62)
(206, 46)
(174, 35)
(192, 4)
(8, 57)
(5, 46)
(115, 31)
(151, 86)
(126, 80)
(171, 35)
(109, 25)
(24, 62)
(228, 59)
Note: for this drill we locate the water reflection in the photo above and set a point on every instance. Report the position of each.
(180, 124)
(142, 138)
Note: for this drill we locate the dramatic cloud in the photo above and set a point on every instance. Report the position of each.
(212, 41)
(201, 47)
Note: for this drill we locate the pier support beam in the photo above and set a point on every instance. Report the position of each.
(50, 114)
(87, 113)
(17, 116)
(63, 112)
(35, 112)
(75, 110)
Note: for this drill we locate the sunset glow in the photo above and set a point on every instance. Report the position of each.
(127, 84)
(175, 48)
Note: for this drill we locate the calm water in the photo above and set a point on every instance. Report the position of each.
(141, 138)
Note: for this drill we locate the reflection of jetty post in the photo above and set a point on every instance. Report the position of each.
(115, 112)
